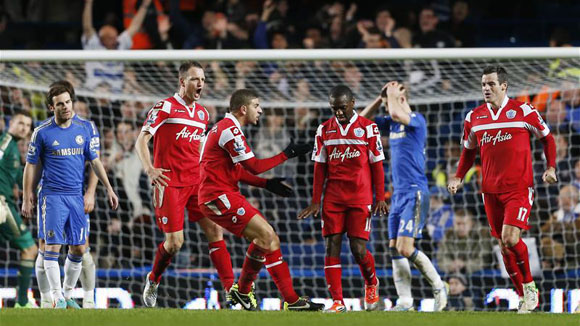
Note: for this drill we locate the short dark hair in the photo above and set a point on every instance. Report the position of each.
(341, 90)
(184, 68)
(65, 83)
(21, 112)
(502, 75)
(55, 91)
(241, 97)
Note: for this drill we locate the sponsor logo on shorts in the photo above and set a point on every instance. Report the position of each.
(164, 220)
(241, 211)
(234, 219)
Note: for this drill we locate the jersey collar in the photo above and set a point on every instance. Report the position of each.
(180, 100)
(350, 122)
(234, 119)
(495, 116)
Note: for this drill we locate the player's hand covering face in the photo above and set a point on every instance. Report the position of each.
(492, 90)
(342, 107)
(194, 83)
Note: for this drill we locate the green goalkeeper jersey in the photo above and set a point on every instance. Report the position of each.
(10, 165)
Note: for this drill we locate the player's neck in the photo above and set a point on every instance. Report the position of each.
(188, 101)
(63, 123)
(240, 118)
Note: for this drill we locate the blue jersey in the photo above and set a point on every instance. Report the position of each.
(407, 147)
(62, 152)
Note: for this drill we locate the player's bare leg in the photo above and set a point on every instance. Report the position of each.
(218, 252)
(41, 278)
(511, 241)
(366, 263)
(333, 272)
(406, 247)
(165, 251)
(87, 278)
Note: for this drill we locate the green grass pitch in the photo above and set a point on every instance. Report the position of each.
(179, 317)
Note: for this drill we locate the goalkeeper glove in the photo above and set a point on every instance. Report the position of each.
(276, 186)
(293, 149)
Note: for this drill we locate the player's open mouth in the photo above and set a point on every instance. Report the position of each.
(198, 92)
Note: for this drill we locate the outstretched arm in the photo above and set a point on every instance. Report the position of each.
(88, 29)
(138, 19)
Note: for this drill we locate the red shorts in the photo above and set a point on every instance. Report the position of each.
(170, 204)
(355, 220)
(230, 211)
(510, 208)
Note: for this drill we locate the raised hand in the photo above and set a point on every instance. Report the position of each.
(293, 149)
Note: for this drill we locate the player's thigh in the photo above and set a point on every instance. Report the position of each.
(230, 211)
(55, 213)
(358, 221)
(14, 230)
(413, 215)
(494, 210)
(40, 214)
(333, 218)
(397, 205)
(76, 225)
(518, 205)
(212, 231)
(170, 207)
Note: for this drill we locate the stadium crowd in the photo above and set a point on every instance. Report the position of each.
(456, 235)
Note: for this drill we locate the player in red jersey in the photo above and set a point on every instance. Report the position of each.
(224, 154)
(501, 128)
(177, 125)
(349, 157)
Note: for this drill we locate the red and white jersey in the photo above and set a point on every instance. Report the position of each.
(225, 146)
(348, 152)
(177, 133)
(503, 137)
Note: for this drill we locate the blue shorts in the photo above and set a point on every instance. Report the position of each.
(40, 219)
(408, 214)
(62, 219)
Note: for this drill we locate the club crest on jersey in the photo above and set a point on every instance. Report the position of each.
(511, 114)
(185, 133)
(200, 115)
(348, 153)
(359, 132)
(164, 220)
(498, 138)
(79, 139)
(241, 211)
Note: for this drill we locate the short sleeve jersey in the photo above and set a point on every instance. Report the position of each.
(348, 152)
(178, 131)
(225, 146)
(407, 148)
(62, 153)
(503, 138)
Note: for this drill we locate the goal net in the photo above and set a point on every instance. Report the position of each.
(116, 89)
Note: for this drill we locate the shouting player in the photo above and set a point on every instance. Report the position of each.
(501, 128)
(61, 144)
(12, 227)
(410, 203)
(224, 151)
(88, 271)
(349, 156)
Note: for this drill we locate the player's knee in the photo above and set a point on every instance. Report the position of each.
(509, 239)
(173, 245)
(333, 245)
(77, 250)
(358, 249)
(213, 233)
(29, 253)
(405, 250)
(275, 243)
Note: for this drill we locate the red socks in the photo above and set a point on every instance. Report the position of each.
(220, 257)
(252, 265)
(367, 268)
(333, 274)
(162, 260)
(520, 250)
(513, 270)
(280, 273)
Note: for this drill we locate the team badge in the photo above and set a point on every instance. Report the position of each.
(200, 115)
(79, 139)
(241, 211)
(510, 114)
(164, 220)
(50, 234)
(359, 132)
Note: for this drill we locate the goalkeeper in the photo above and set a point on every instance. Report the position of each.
(12, 228)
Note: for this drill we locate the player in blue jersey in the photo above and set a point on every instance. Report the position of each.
(57, 153)
(88, 271)
(410, 201)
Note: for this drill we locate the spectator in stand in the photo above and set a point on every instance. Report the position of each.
(108, 38)
(576, 180)
(571, 98)
(557, 117)
(313, 38)
(277, 38)
(466, 248)
(154, 31)
(440, 214)
(459, 26)
(429, 36)
(385, 23)
(460, 297)
(563, 229)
